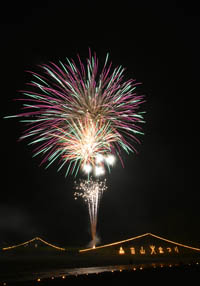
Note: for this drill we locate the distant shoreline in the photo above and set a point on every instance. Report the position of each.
(110, 273)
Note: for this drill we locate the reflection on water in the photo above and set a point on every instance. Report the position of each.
(64, 272)
(84, 271)
(94, 270)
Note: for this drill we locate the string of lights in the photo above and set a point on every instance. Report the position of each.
(114, 243)
(103, 246)
(176, 243)
(31, 240)
(137, 237)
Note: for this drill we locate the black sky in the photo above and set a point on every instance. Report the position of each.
(158, 190)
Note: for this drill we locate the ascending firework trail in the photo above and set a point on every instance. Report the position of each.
(91, 192)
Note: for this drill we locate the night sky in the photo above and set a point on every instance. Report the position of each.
(158, 190)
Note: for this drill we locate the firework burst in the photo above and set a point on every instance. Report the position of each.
(78, 113)
(91, 192)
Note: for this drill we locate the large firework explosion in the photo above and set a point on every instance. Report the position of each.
(91, 191)
(80, 115)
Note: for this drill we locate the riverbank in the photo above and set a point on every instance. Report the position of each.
(30, 265)
(130, 274)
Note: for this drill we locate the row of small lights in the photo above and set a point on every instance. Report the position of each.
(134, 269)
(101, 246)
(120, 270)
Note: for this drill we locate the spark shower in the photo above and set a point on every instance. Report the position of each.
(91, 191)
(83, 117)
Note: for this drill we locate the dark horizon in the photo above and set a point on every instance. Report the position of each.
(157, 191)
